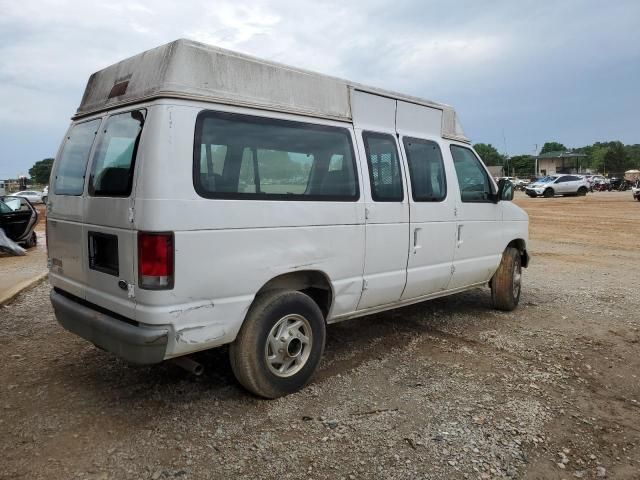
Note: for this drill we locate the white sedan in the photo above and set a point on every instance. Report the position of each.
(31, 195)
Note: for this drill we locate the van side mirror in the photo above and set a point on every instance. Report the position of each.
(505, 190)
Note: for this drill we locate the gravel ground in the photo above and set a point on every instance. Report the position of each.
(445, 389)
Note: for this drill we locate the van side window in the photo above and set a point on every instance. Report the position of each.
(114, 159)
(247, 157)
(426, 169)
(72, 164)
(384, 167)
(473, 179)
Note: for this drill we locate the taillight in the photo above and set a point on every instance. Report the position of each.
(155, 260)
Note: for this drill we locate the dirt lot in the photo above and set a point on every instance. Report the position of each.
(446, 389)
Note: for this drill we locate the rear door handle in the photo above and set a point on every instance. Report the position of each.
(416, 234)
(460, 241)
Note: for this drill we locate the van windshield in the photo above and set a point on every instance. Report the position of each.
(72, 163)
(114, 159)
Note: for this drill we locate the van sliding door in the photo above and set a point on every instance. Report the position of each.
(432, 200)
(387, 209)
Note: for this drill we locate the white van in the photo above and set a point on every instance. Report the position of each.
(202, 197)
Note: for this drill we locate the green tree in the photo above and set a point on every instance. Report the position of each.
(489, 154)
(41, 171)
(633, 154)
(597, 158)
(552, 147)
(523, 165)
(616, 158)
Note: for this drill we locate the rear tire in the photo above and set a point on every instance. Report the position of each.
(548, 193)
(582, 191)
(280, 344)
(507, 281)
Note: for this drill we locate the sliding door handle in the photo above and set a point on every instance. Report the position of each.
(416, 240)
(459, 240)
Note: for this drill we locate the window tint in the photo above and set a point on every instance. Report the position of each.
(473, 179)
(426, 170)
(114, 158)
(241, 156)
(72, 163)
(384, 167)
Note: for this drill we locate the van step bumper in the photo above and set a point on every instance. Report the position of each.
(133, 343)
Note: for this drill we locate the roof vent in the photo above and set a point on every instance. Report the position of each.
(118, 89)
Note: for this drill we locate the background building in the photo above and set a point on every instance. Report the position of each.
(559, 162)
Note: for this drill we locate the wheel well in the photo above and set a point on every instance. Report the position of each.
(521, 245)
(313, 283)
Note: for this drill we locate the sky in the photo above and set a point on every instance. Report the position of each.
(518, 72)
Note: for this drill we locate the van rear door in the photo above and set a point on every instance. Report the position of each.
(65, 209)
(91, 238)
(108, 214)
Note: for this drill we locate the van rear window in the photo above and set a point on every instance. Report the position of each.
(114, 158)
(247, 157)
(72, 163)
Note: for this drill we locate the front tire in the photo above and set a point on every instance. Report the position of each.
(280, 344)
(582, 191)
(507, 281)
(548, 193)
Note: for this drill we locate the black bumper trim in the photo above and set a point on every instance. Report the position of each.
(133, 343)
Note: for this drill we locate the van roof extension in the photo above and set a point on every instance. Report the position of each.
(192, 70)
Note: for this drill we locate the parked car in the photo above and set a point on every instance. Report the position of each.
(291, 207)
(18, 219)
(558, 185)
(599, 179)
(521, 183)
(593, 181)
(635, 190)
(31, 195)
(45, 194)
(618, 183)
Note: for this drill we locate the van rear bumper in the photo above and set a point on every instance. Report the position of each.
(134, 343)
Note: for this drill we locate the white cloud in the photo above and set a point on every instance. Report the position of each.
(491, 60)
